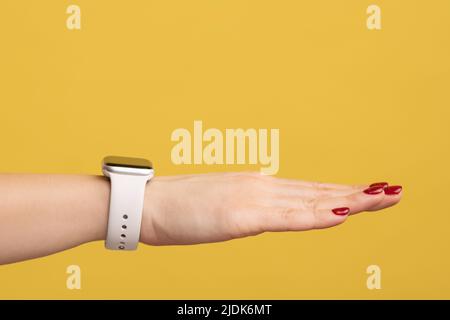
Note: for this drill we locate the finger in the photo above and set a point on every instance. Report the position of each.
(316, 213)
(393, 196)
(295, 192)
(311, 184)
(283, 219)
(355, 203)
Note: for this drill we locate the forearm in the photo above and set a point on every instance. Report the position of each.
(42, 214)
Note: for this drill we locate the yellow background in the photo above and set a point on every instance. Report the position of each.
(352, 106)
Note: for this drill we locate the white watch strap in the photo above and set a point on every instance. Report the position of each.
(125, 211)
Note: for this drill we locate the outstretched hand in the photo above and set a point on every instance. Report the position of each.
(216, 207)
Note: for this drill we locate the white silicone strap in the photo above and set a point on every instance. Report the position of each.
(125, 211)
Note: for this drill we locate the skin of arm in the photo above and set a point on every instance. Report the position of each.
(42, 214)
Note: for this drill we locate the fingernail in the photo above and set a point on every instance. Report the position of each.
(374, 190)
(379, 184)
(392, 190)
(341, 211)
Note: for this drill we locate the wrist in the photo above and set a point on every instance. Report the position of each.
(151, 212)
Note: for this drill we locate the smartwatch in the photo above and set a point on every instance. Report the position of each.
(128, 177)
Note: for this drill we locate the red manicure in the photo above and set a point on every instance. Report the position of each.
(341, 211)
(379, 184)
(373, 190)
(393, 190)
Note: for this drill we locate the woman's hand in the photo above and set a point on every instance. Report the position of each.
(216, 207)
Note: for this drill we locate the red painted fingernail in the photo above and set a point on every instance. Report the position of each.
(373, 190)
(379, 184)
(392, 190)
(341, 211)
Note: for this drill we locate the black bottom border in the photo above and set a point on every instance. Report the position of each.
(226, 309)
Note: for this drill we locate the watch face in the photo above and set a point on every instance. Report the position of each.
(126, 162)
